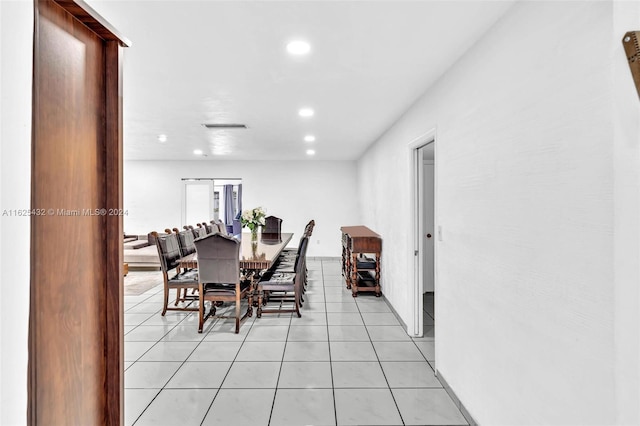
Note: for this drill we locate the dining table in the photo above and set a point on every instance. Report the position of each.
(255, 256)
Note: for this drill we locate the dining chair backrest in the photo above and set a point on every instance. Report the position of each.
(301, 263)
(198, 232)
(207, 227)
(219, 226)
(168, 250)
(308, 230)
(302, 253)
(272, 225)
(185, 240)
(218, 259)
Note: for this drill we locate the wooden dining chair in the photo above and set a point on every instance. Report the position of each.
(279, 287)
(187, 247)
(290, 264)
(169, 252)
(219, 277)
(289, 255)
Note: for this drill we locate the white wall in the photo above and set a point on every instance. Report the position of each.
(294, 191)
(626, 165)
(538, 192)
(16, 29)
(538, 295)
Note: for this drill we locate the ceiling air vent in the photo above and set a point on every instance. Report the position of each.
(224, 126)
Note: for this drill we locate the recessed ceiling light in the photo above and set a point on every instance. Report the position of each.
(197, 151)
(162, 138)
(309, 138)
(305, 112)
(298, 47)
(310, 152)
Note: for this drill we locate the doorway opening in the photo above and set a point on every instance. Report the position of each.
(211, 199)
(423, 161)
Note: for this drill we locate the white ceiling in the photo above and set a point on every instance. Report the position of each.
(194, 62)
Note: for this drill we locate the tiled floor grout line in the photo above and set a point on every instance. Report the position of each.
(326, 271)
(326, 316)
(151, 316)
(275, 392)
(429, 362)
(157, 341)
(380, 364)
(183, 362)
(427, 313)
(228, 370)
(148, 405)
(143, 354)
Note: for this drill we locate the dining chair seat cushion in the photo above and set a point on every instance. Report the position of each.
(185, 278)
(288, 256)
(277, 279)
(285, 268)
(224, 287)
(220, 291)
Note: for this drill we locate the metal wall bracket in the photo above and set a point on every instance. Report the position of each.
(632, 50)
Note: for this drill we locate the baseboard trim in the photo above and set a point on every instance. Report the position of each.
(395, 313)
(456, 400)
(442, 380)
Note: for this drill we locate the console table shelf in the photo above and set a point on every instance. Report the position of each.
(361, 250)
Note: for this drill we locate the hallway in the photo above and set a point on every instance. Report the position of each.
(347, 361)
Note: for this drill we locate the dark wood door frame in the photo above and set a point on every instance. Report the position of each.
(88, 387)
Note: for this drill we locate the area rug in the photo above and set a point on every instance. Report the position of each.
(138, 282)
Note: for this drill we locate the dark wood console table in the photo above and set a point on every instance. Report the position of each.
(361, 272)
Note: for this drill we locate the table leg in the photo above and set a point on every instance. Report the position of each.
(348, 267)
(252, 288)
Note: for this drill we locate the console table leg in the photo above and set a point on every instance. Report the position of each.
(354, 274)
(378, 292)
(347, 275)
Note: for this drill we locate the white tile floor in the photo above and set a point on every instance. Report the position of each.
(347, 361)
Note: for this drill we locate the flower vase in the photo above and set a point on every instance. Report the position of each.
(254, 235)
